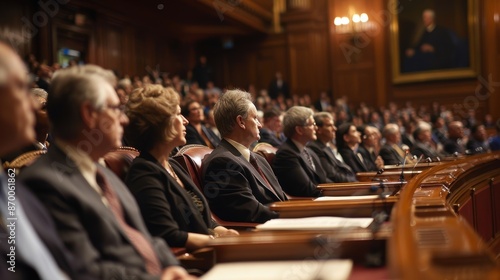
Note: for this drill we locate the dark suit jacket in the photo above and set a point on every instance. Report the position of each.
(44, 226)
(390, 155)
(476, 147)
(422, 149)
(268, 136)
(235, 190)
(336, 170)
(295, 174)
(369, 158)
(167, 208)
(86, 226)
(351, 159)
(193, 137)
(452, 146)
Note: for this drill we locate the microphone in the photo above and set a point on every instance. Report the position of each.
(428, 159)
(374, 188)
(418, 161)
(402, 176)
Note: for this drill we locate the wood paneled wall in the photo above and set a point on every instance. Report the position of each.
(311, 56)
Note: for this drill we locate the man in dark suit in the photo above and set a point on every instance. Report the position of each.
(297, 167)
(278, 87)
(196, 131)
(423, 140)
(454, 145)
(336, 170)
(392, 152)
(238, 183)
(96, 216)
(271, 131)
(36, 252)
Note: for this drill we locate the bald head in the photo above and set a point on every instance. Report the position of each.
(455, 130)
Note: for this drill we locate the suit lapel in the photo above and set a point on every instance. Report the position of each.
(249, 166)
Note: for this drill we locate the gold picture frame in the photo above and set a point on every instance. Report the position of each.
(463, 59)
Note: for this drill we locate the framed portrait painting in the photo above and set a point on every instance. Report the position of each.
(434, 40)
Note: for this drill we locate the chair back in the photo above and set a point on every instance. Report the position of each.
(266, 150)
(120, 160)
(190, 157)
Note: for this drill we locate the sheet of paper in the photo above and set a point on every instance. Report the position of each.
(281, 270)
(356, 197)
(314, 223)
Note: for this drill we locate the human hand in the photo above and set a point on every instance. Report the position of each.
(427, 48)
(176, 273)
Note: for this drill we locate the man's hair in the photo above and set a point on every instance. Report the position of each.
(421, 127)
(320, 117)
(71, 87)
(295, 116)
(269, 114)
(390, 129)
(151, 110)
(231, 104)
(38, 92)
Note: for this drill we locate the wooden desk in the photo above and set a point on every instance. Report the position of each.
(295, 245)
(341, 208)
(429, 240)
(359, 188)
(391, 175)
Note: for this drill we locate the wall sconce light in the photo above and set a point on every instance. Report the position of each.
(357, 23)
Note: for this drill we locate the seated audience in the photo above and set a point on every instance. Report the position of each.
(96, 216)
(239, 183)
(495, 140)
(38, 251)
(271, 131)
(171, 205)
(423, 140)
(392, 152)
(348, 141)
(297, 167)
(336, 170)
(196, 131)
(454, 145)
(478, 143)
(368, 147)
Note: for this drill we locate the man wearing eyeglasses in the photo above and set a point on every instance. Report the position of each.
(96, 216)
(296, 166)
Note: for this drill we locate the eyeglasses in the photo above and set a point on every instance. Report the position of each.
(117, 108)
(309, 124)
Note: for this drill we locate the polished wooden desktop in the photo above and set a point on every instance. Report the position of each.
(444, 224)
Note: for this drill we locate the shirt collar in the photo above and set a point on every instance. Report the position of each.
(245, 152)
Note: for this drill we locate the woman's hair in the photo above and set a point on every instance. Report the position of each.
(151, 110)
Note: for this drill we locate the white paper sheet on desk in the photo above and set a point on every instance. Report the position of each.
(281, 270)
(314, 223)
(356, 197)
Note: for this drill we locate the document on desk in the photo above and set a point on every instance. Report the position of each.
(278, 270)
(314, 223)
(349, 197)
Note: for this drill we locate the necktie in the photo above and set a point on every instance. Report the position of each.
(28, 244)
(253, 162)
(309, 159)
(137, 239)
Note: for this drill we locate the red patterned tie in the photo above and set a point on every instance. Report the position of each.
(253, 162)
(137, 239)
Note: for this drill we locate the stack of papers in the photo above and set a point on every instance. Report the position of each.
(356, 197)
(315, 223)
(281, 270)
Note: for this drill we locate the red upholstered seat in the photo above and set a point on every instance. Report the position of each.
(190, 157)
(266, 150)
(119, 160)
